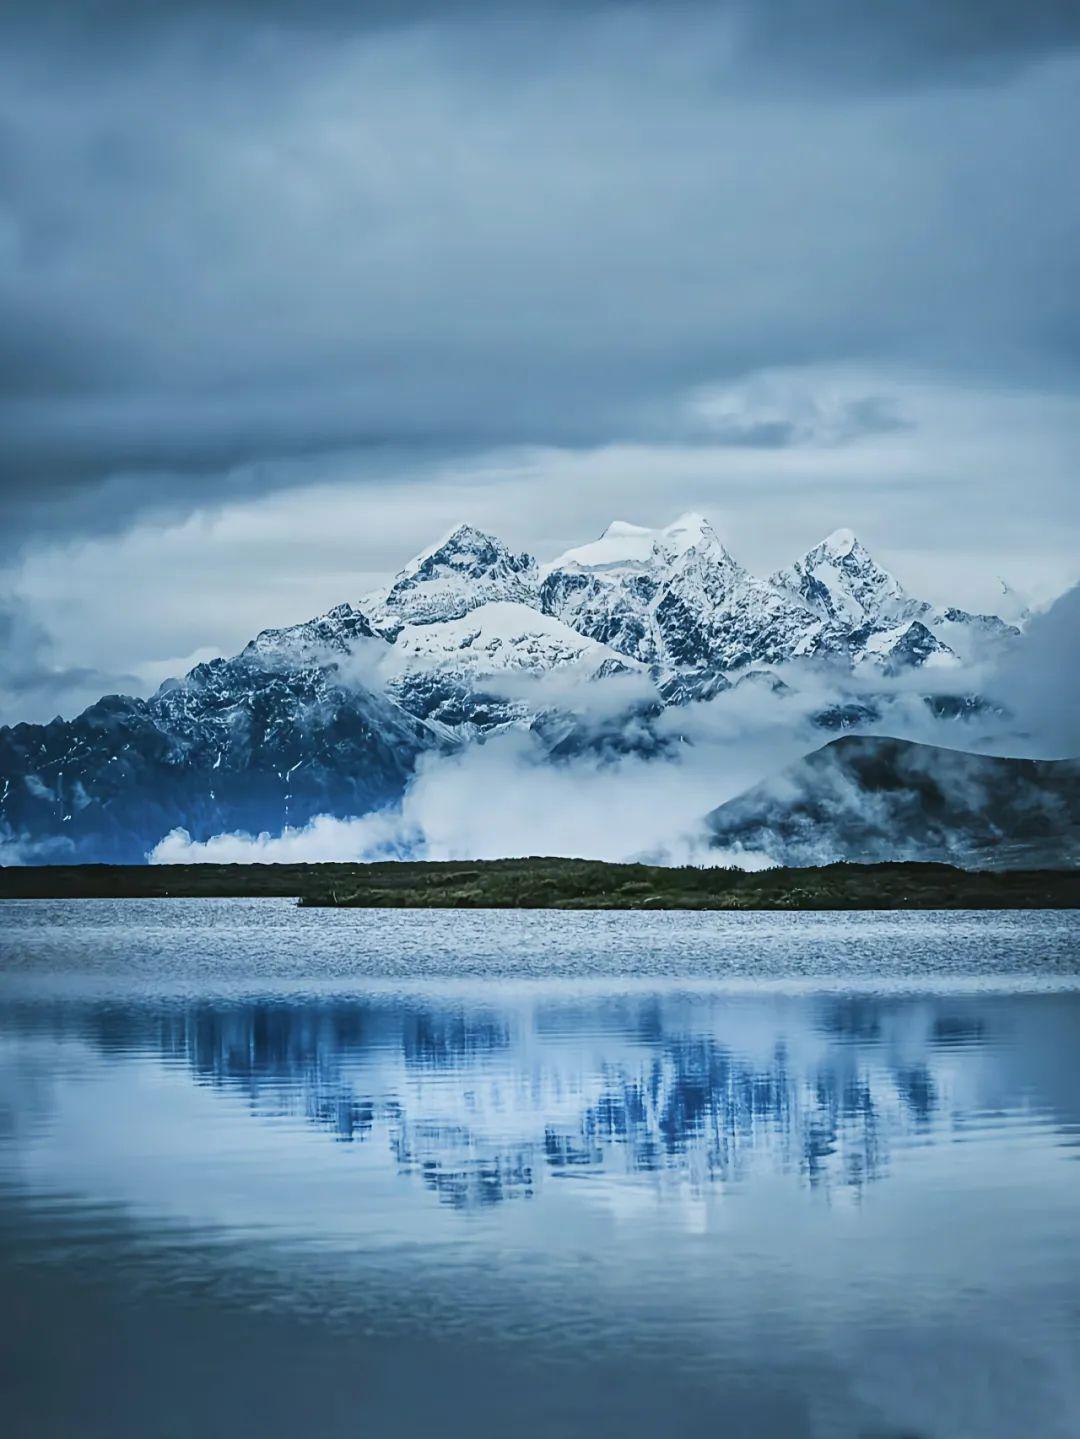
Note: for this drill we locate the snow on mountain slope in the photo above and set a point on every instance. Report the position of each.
(465, 569)
(711, 613)
(609, 589)
(841, 581)
(908, 645)
(501, 636)
(675, 598)
(341, 631)
(973, 637)
(462, 672)
(624, 546)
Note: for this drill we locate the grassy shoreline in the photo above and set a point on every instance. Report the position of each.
(544, 883)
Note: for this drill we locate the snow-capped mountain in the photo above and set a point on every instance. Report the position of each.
(612, 588)
(340, 632)
(461, 572)
(895, 648)
(238, 744)
(501, 637)
(674, 598)
(972, 636)
(329, 716)
(839, 580)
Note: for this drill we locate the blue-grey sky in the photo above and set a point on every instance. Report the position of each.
(286, 290)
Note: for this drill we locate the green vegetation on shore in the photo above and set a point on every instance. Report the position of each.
(559, 884)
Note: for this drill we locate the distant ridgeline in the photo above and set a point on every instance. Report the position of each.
(330, 717)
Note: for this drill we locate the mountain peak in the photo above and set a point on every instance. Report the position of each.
(691, 522)
(464, 533)
(840, 580)
(839, 544)
(621, 529)
(690, 531)
(467, 567)
(623, 545)
(459, 539)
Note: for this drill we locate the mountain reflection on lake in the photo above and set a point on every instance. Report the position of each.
(484, 1103)
(629, 1205)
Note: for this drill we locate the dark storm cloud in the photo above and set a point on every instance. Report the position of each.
(885, 43)
(30, 678)
(244, 232)
(913, 41)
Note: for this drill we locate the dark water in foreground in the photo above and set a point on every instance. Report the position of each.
(273, 1172)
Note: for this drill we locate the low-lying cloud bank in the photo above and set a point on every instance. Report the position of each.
(507, 797)
(498, 800)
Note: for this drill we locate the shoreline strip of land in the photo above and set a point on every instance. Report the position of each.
(553, 883)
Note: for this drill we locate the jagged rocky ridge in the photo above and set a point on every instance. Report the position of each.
(675, 600)
(331, 716)
(670, 606)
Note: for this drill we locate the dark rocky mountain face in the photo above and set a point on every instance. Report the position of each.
(331, 636)
(235, 746)
(866, 798)
(616, 616)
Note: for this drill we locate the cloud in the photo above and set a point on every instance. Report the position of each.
(32, 685)
(1042, 680)
(835, 40)
(507, 797)
(235, 241)
(325, 839)
(783, 409)
(495, 801)
(919, 42)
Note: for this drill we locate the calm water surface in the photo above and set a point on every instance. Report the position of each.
(269, 1172)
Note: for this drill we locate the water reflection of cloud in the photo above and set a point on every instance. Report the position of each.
(484, 1103)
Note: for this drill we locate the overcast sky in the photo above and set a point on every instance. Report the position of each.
(285, 292)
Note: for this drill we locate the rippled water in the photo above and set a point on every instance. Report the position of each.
(268, 1171)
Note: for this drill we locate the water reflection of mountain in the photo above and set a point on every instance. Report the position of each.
(484, 1103)
(481, 1104)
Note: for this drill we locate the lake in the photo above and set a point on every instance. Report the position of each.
(268, 1171)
